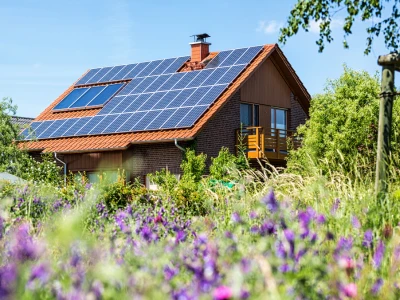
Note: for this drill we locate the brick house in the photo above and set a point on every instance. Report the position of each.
(207, 100)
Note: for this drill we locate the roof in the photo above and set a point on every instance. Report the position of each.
(124, 140)
(21, 121)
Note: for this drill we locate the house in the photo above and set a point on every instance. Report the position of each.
(22, 122)
(138, 117)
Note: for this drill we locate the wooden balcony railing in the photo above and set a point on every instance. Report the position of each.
(271, 143)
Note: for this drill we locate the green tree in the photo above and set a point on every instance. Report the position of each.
(383, 16)
(343, 124)
(10, 156)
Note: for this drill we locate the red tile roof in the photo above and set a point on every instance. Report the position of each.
(123, 140)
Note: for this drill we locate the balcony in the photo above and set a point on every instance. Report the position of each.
(270, 143)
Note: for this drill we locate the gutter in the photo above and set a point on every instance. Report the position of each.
(65, 168)
(178, 146)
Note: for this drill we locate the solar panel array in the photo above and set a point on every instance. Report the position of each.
(125, 72)
(156, 98)
(88, 97)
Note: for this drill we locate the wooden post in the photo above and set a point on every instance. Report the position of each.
(388, 63)
(277, 143)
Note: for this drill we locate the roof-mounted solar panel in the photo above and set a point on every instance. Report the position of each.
(156, 98)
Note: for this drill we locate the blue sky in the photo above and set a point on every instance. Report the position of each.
(47, 45)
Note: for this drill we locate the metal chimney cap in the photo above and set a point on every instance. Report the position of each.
(200, 37)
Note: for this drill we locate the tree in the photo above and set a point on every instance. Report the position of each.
(343, 125)
(323, 11)
(17, 161)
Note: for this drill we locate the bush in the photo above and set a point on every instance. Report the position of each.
(343, 126)
(116, 195)
(193, 165)
(222, 166)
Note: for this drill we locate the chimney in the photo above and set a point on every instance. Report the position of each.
(200, 48)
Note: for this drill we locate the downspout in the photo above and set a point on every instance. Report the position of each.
(179, 147)
(65, 168)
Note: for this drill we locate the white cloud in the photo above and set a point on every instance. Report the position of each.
(269, 27)
(335, 23)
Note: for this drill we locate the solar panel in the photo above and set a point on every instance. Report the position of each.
(99, 75)
(125, 71)
(87, 76)
(117, 123)
(89, 125)
(219, 59)
(49, 131)
(114, 71)
(87, 97)
(28, 132)
(62, 129)
(128, 125)
(103, 124)
(192, 116)
(76, 126)
(155, 98)
(175, 118)
(40, 129)
(71, 98)
(105, 95)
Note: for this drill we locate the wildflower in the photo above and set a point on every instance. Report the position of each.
(347, 263)
(244, 294)
(146, 233)
(222, 293)
(169, 272)
(245, 265)
(253, 214)
(355, 222)
(378, 255)
(180, 237)
(39, 272)
(97, 289)
(350, 290)
(24, 247)
(268, 228)
(335, 206)
(158, 219)
(368, 236)
(377, 286)
(320, 219)
(8, 275)
(280, 250)
(236, 218)
(284, 268)
(270, 201)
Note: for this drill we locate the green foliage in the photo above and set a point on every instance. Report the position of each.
(343, 125)
(191, 197)
(44, 171)
(116, 195)
(193, 166)
(323, 11)
(165, 180)
(222, 166)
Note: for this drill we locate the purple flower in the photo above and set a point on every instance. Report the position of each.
(378, 255)
(320, 219)
(377, 286)
(289, 235)
(244, 294)
(344, 245)
(222, 293)
(355, 222)
(268, 228)
(180, 236)
(270, 201)
(8, 275)
(284, 268)
(335, 206)
(169, 273)
(88, 186)
(24, 247)
(245, 265)
(97, 289)
(253, 214)
(368, 237)
(236, 218)
(280, 250)
(146, 233)
(39, 272)
(349, 290)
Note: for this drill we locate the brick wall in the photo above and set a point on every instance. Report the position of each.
(141, 160)
(297, 114)
(220, 130)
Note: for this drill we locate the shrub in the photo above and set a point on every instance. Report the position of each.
(116, 195)
(193, 165)
(222, 165)
(343, 125)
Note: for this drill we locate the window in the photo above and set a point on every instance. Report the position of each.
(96, 177)
(249, 114)
(279, 120)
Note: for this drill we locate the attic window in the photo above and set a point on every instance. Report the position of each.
(88, 97)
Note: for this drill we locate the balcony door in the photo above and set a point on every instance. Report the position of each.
(249, 115)
(278, 121)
